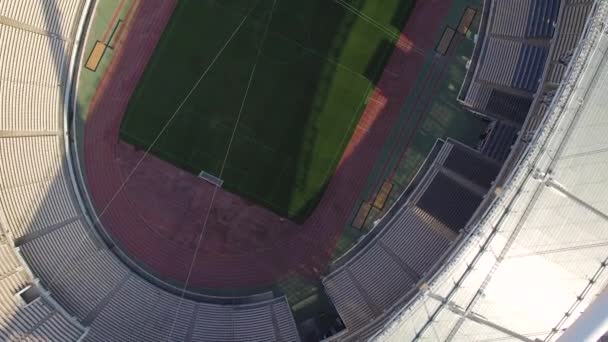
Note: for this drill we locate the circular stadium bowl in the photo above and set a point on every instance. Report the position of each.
(505, 241)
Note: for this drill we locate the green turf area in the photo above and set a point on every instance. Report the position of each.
(283, 96)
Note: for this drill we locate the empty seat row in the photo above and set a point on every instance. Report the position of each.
(56, 328)
(414, 237)
(46, 62)
(94, 286)
(522, 39)
(78, 275)
(530, 19)
(510, 18)
(498, 103)
(34, 184)
(499, 61)
(141, 312)
(55, 16)
(530, 66)
(386, 271)
(285, 327)
(542, 17)
(124, 317)
(499, 140)
(508, 107)
(422, 247)
(354, 309)
(569, 30)
(34, 191)
(513, 64)
(396, 275)
(470, 164)
(449, 200)
(37, 320)
(27, 160)
(33, 107)
(9, 263)
(215, 323)
(36, 213)
(455, 186)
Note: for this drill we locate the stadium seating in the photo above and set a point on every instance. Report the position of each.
(36, 320)
(39, 211)
(512, 58)
(542, 17)
(48, 66)
(467, 162)
(535, 218)
(518, 61)
(521, 55)
(385, 273)
(511, 17)
(80, 287)
(530, 65)
(454, 187)
(499, 140)
(28, 183)
(568, 32)
(414, 237)
(27, 101)
(53, 16)
(449, 200)
(510, 80)
(169, 318)
(246, 321)
(524, 18)
(522, 47)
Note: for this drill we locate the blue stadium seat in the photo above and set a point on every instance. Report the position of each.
(530, 67)
(541, 18)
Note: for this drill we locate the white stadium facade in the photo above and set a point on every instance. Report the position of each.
(528, 265)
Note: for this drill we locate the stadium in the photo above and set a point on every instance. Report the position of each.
(280, 170)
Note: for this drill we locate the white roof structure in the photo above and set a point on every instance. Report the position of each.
(537, 258)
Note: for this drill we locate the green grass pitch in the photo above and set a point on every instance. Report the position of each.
(314, 67)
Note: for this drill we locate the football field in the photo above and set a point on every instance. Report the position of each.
(264, 94)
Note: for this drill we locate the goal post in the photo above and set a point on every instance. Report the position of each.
(211, 178)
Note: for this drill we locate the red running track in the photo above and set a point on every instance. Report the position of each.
(157, 216)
